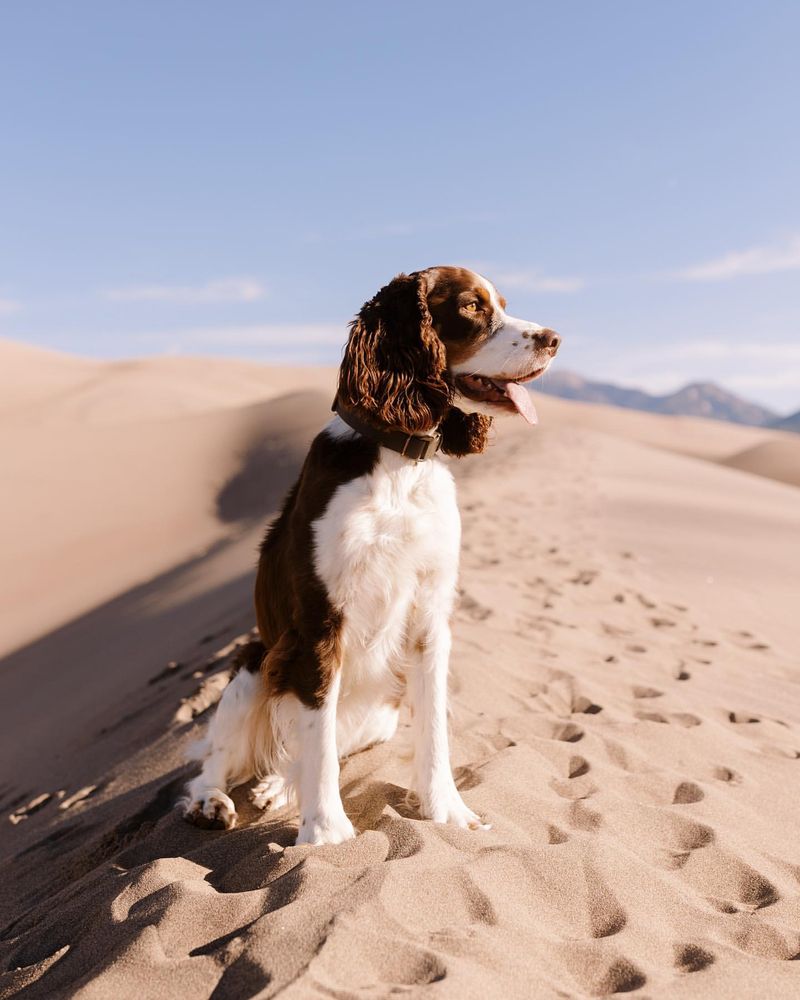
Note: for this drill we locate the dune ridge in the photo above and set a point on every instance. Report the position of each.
(625, 713)
(777, 459)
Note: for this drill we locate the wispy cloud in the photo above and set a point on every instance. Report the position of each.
(219, 290)
(283, 336)
(740, 263)
(8, 306)
(535, 281)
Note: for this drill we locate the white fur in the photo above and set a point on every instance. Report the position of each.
(386, 550)
(228, 752)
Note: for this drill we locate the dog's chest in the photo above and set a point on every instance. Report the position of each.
(382, 538)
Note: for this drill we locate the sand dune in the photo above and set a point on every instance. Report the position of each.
(626, 714)
(777, 459)
(695, 436)
(117, 467)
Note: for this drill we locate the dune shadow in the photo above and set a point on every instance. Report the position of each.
(93, 702)
(84, 680)
(281, 431)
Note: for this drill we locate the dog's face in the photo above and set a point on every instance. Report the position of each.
(489, 353)
(436, 350)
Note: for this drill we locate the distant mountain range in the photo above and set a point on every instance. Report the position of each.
(791, 423)
(699, 399)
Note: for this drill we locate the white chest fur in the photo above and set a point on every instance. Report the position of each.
(386, 550)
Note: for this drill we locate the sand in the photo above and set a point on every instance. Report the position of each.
(777, 458)
(626, 709)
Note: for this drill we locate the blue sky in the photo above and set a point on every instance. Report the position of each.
(238, 178)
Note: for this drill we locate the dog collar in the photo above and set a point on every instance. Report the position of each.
(415, 447)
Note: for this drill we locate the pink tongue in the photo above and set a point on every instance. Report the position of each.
(521, 398)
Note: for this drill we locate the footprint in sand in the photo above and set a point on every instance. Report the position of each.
(662, 790)
(615, 631)
(756, 938)
(599, 972)
(577, 766)
(559, 694)
(685, 719)
(728, 883)
(727, 774)
(581, 817)
(473, 609)
(662, 623)
(659, 833)
(743, 718)
(466, 778)
(688, 792)
(641, 691)
(548, 729)
(573, 787)
(606, 914)
(747, 640)
(692, 958)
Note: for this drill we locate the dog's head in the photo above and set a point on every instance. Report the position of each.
(436, 348)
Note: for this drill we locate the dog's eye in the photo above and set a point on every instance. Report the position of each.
(471, 307)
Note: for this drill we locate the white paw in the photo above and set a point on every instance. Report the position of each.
(321, 828)
(270, 793)
(210, 809)
(448, 807)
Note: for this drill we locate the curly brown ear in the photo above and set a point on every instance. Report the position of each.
(394, 364)
(464, 433)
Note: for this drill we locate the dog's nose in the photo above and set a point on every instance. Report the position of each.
(548, 340)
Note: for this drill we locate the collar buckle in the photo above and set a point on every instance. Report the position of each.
(427, 446)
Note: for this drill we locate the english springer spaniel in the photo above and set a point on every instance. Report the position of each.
(357, 576)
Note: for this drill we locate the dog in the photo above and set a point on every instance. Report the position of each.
(357, 576)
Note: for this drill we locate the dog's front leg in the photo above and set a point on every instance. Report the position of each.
(433, 779)
(322, 816)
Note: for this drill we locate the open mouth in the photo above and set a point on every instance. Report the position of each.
(504, 393)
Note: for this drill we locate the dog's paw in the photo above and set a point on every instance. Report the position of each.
(211, 809)
(449, 807)
(325, 829)
(270, 793)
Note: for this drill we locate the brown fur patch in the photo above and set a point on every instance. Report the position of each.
(394, 363)
(464, 433)
(462, 332)
(298, 626)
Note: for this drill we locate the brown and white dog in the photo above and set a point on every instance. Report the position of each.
(357, 576)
